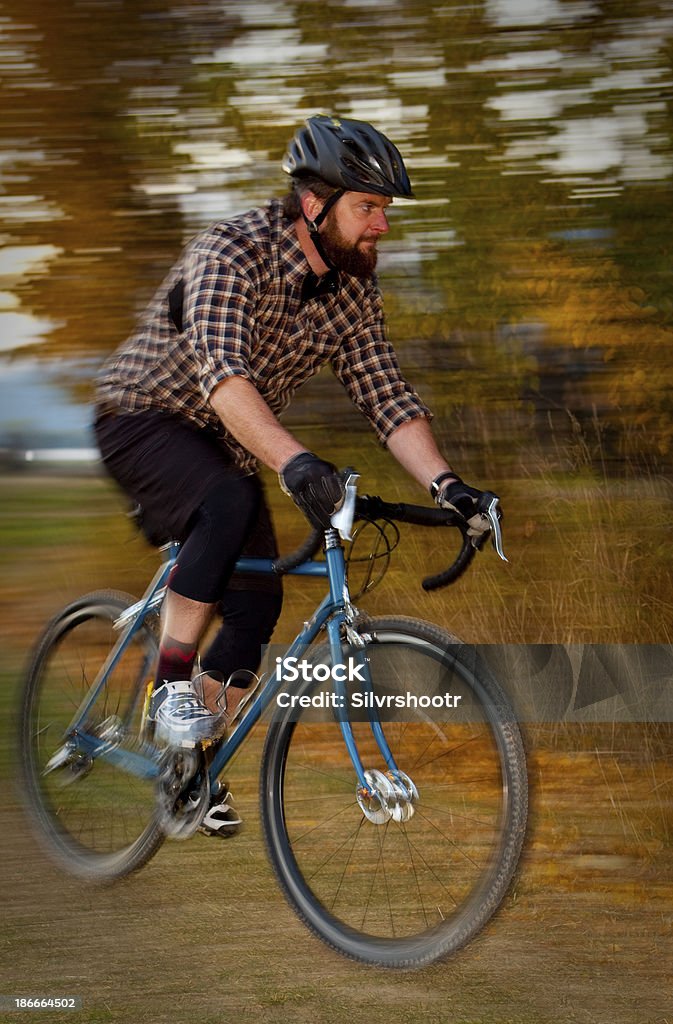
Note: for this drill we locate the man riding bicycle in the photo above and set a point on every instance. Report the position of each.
(189, 406)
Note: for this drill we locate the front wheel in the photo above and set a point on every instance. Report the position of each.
(93, 809)
(399, 889)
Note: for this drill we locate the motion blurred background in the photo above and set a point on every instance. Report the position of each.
(528, 288)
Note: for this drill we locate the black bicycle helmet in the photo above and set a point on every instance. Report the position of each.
(351, 155)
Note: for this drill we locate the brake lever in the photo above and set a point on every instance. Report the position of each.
(488, 507)
(344, 518)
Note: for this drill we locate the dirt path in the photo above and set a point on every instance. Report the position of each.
(202, 932)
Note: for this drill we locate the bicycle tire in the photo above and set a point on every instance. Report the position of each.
(400, 894)
(93, 819)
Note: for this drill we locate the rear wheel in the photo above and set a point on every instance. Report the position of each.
(93, 811)
(404, 885)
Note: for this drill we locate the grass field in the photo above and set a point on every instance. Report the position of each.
(203, 933)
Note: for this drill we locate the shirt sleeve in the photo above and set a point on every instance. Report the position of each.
(220, 307)
(367, 366)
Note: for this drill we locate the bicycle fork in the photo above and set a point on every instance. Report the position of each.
(382, 796)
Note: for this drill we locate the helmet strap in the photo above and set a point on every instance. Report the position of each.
(314, 226)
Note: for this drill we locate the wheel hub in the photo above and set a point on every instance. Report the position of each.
(389, 796)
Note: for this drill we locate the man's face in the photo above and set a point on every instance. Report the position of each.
(351, 231)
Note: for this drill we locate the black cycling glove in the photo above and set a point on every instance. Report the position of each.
(463, 499)
(315, 487)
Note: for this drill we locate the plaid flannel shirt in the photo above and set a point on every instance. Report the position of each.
(232, 307)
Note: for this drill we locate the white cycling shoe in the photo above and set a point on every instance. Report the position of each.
(180, 716)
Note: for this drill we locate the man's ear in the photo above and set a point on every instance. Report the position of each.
(311, 205)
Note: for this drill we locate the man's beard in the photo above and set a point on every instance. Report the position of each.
(345, 255)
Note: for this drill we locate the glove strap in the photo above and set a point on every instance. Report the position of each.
(436, 485)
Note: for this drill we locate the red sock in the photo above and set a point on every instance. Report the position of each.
(175, 661)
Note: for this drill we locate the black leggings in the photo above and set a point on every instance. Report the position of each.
(217, 534)
(221, 526)
(184, 479)
(248, 621)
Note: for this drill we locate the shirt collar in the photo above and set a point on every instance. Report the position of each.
(298, 271)
(293, 262)
(313, 286)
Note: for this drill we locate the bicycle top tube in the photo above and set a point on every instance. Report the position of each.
(256, 564)
(266, 565)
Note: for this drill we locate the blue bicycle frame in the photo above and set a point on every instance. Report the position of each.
(334, 612)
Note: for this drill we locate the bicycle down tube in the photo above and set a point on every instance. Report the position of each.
(332, 612)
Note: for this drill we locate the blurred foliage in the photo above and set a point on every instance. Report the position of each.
(529, 284)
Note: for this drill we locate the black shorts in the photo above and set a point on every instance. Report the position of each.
(167, 466)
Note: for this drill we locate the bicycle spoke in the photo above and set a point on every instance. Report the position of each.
(303, 835)
(347, 862)
(380, 864)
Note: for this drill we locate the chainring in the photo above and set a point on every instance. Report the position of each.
(183, 791)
